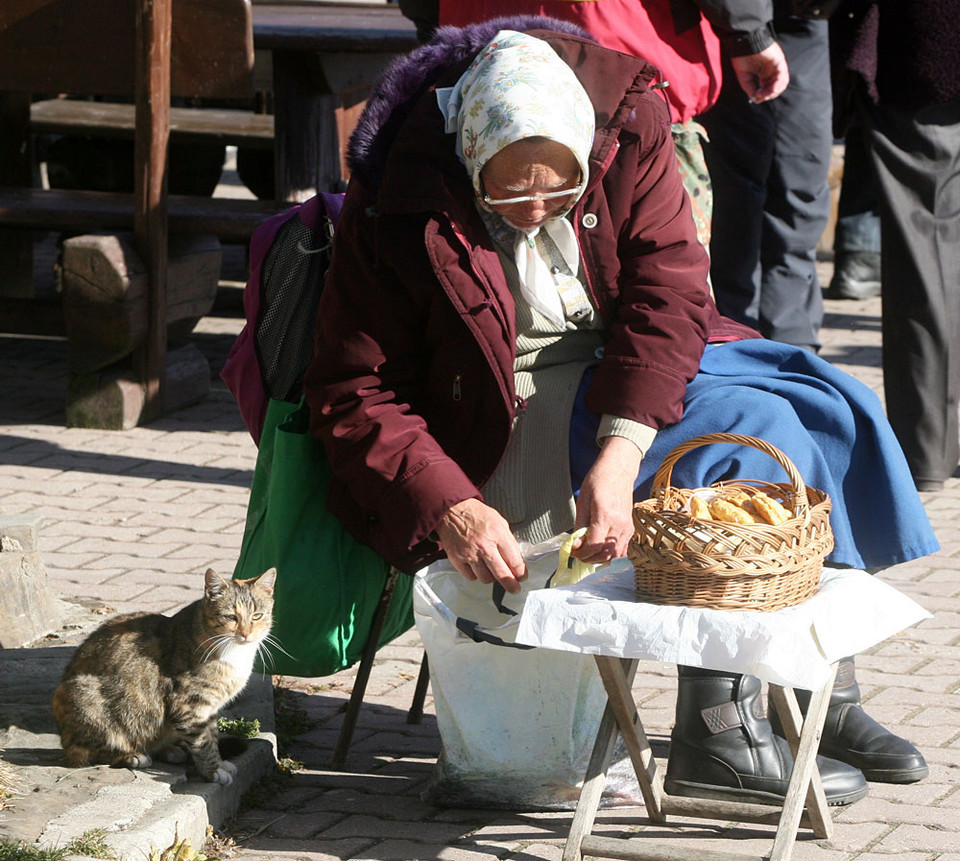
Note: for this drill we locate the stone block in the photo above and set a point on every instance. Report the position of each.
(105, 294)
(22, 528)
(113, 399)
(27, 610)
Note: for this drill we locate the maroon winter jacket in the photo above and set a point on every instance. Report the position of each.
(411, 386)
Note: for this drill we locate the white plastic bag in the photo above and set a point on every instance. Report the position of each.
(517, 725)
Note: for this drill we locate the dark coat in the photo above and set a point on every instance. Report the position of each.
(902, 53)
(411, 387)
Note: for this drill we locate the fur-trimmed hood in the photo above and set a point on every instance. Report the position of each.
(409, 76)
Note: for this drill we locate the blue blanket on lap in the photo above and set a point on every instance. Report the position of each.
(829, 424)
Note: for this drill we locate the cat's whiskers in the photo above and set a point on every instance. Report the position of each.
(266, 659)
(225, 647)
(216, 646)
(264, 648)
(207, 648)
(274, 644)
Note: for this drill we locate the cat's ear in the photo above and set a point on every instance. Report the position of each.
(214, 584)
(267, 580)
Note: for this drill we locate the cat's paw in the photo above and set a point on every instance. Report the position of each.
(229, 766)
(138, 760)
(223, 775)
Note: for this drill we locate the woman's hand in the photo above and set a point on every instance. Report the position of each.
(479, 544)
(605, 503)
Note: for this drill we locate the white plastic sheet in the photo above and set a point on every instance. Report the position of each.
(852, 611)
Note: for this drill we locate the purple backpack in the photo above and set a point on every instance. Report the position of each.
(289, 256)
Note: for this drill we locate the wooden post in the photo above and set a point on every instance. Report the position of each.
(152, 89)
(16, 169)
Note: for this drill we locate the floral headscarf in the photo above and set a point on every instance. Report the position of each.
(517, 87)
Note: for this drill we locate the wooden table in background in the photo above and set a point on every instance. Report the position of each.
(320, 60)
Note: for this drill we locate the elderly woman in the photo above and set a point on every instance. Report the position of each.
(516, 319)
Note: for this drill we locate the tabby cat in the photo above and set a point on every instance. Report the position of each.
(145, 685)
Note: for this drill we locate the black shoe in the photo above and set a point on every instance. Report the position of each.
(852, 736)
(856, 275)
(723, 747)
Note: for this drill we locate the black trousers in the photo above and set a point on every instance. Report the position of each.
(768, 166)
(916, 159)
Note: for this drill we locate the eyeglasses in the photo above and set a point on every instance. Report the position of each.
(530, 198)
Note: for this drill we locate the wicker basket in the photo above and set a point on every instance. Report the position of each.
(707, 563)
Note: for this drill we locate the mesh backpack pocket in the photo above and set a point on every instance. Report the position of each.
(289, 256)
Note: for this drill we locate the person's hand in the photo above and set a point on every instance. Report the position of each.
(479, 544)
(762, 76)
(605, 503)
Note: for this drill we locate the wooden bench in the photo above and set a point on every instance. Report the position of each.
(111, 119)
(92, 211)
(147, 50)
(86, 212)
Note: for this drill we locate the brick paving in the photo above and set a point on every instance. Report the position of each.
(133, 518)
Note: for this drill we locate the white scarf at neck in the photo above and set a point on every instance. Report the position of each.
(537, 283)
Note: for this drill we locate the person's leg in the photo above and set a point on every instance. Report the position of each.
(798, 197)
(916, 157)
(856, 245)
(738, 153)
(830, 425)
(795, 400)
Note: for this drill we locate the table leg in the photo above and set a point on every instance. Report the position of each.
(617, 675)
(306, 142)
(620, 712)
(593, 783)
(805, 785)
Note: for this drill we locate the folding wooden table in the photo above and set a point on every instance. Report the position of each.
(621, 717)
(799, 645)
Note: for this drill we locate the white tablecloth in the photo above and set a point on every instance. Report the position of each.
(795, 646)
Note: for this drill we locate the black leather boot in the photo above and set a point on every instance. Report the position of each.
(722, 746)
(856, 275)
(852, 736)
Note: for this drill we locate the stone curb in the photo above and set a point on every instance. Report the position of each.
(137, 811)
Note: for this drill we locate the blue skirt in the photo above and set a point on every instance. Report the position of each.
(829, 424)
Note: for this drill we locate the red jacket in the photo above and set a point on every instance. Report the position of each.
(680, 37)
(411, 386)
(689, 60)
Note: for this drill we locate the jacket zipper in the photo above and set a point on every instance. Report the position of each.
(457, 389)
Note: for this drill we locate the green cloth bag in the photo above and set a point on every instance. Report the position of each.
(328, 585)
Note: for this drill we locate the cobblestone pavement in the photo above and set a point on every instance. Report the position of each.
(132, 519)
